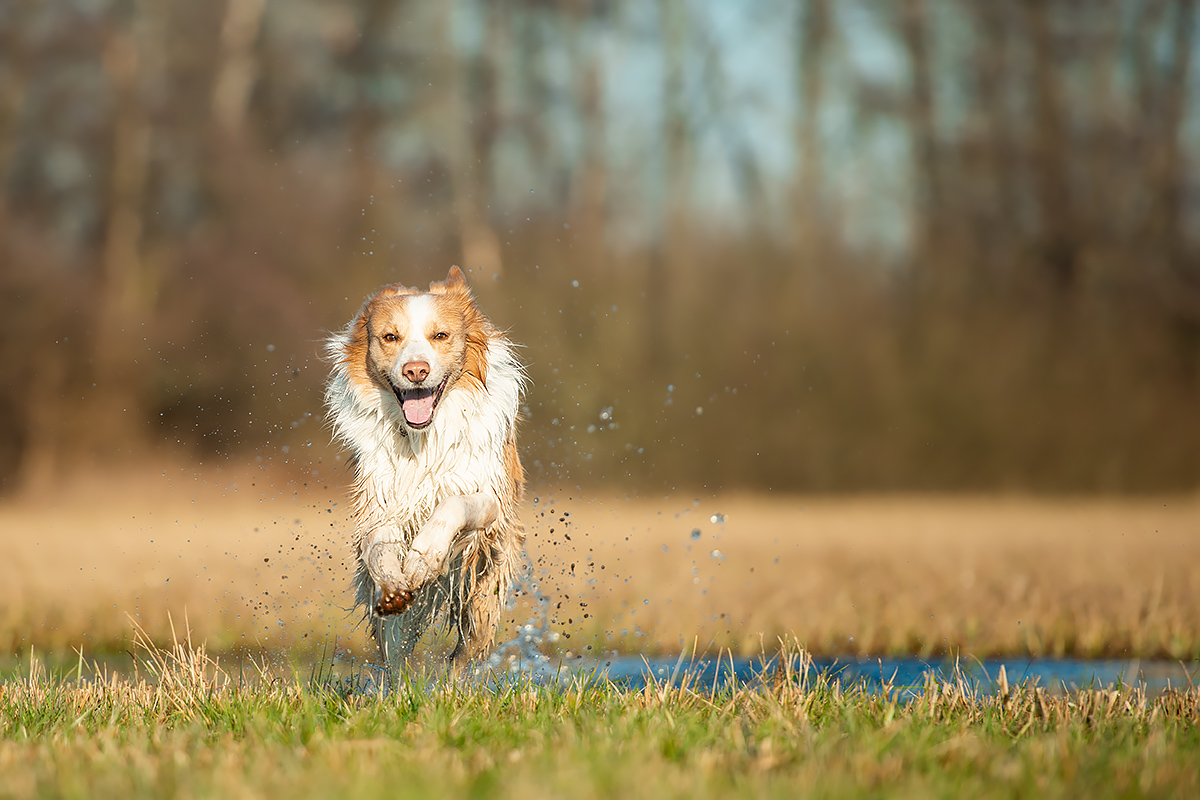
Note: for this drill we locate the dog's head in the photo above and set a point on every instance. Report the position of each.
(420, 345)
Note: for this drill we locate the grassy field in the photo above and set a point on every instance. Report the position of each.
(254, 565)
(256, 562)
(187, 729)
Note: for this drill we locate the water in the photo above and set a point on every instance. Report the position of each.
(522, 659)
(905, 674)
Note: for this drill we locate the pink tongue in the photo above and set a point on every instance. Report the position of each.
(418, 410)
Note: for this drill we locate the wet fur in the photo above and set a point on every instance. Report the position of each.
(402, 475)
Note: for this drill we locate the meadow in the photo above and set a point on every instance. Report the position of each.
(186, 728)
(199, 644)
(255, 562)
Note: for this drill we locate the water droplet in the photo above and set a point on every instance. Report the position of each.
(716, 554)
(606, 413)
(575, 284)
(695, 533)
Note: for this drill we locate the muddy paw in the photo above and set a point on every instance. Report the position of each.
(393, 602)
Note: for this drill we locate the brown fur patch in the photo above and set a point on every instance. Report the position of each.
(478, 330)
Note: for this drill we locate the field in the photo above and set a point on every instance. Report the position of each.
(256, 562)
(194, 731)
(252, 567)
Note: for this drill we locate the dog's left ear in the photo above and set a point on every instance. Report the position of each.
(454, 281)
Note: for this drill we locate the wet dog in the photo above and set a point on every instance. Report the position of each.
(424, 391)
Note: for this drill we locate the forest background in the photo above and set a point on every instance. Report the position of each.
(798, 246)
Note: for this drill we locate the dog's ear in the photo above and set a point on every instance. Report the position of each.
(455, 281)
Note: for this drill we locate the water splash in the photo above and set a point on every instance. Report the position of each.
(524, 656)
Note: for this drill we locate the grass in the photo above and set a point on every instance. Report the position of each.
(257, 562)
(187, 728)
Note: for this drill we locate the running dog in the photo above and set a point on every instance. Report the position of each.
(424, 391)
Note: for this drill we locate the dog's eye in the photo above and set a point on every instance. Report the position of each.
(440, 335)
(391, 337)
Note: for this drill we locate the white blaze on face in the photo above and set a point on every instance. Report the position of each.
(418, 403)
(420, 311)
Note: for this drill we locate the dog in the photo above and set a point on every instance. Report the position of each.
(424, 391)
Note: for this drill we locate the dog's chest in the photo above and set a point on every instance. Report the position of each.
(459, 456)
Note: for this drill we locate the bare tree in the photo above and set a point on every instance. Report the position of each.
(588, 191)
(466, 130)
(1178, 279)
(14, 79)
(1058, 236)
(126, 285)
(915, 27)
(814, 29)
(238, 68)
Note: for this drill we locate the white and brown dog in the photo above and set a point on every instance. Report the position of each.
(424, 391)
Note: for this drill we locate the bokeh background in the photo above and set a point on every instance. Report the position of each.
(927, 244)
(801, 247)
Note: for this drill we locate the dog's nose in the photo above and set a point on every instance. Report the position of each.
(416, 371)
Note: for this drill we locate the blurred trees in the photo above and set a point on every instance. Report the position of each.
(804, 245)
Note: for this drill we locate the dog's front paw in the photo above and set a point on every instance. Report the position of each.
(393, 601)
(419, 569)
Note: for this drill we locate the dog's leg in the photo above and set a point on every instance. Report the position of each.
(380, 552)
(478, 615)
(478, 620)
(429, 551)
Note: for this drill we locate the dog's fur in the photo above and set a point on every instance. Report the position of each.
(424, 391)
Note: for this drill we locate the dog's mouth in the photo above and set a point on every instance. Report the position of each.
(417, 404)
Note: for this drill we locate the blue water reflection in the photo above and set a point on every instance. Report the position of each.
(899, 673)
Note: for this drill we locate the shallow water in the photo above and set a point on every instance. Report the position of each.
(905, 674)
(522, 657)
(909, 673)
(635, 672)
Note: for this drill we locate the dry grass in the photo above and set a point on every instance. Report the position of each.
(898, 575)
(254, 561)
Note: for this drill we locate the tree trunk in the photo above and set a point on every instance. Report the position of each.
(929, 194)
(813, 32)
(1058, 245)
(125, 297)
(238, 70)
(467, 131)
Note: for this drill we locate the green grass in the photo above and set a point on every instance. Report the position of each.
(184, 727)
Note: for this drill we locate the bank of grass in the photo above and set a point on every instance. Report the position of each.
(185, 727)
